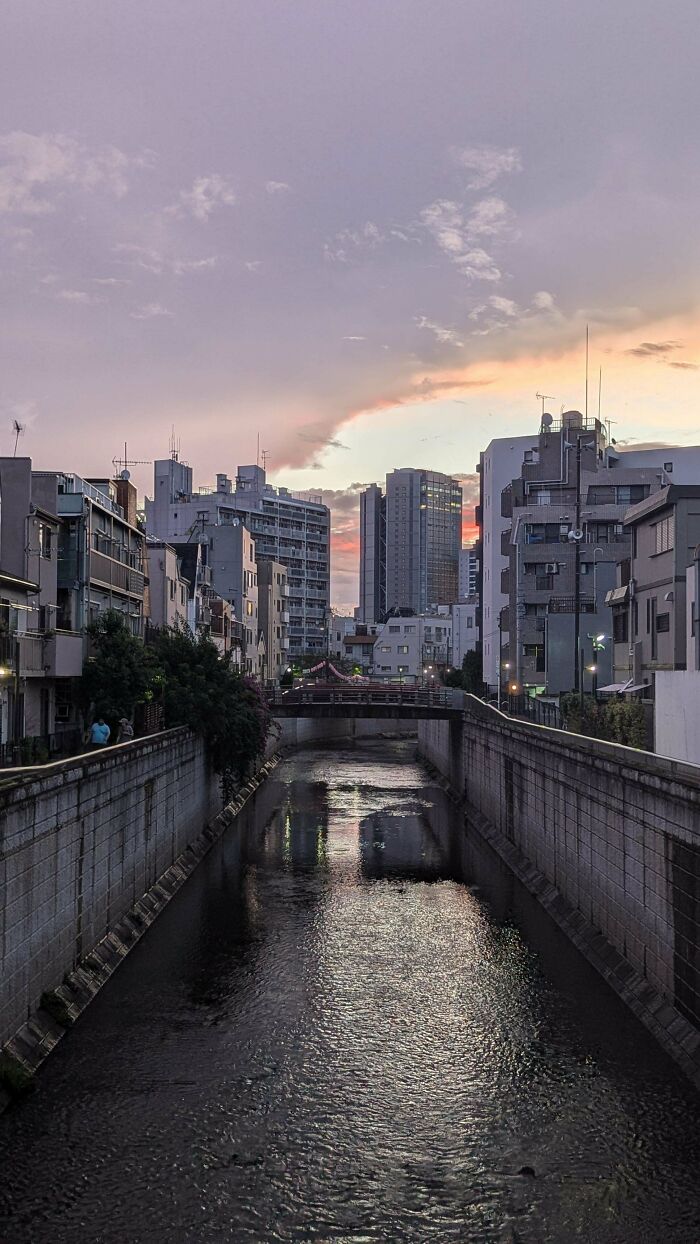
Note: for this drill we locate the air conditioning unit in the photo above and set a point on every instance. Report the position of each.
(551, 568)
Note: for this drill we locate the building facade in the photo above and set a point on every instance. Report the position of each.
(465, 630)
(168, 590)
(500, 463)
(290, 528)
(414, 650)
(273, 616)
(665, 533)
(468, 584)
(372, 555)
(423, 539)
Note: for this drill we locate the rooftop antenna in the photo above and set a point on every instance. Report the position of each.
(586, 374)
(122, 465)
(18, 429)
(600, 385)
(544, 397)
(265, 455)
(174, 445)
(257, 456)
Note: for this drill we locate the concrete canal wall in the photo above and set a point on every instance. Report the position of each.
(609, 840)
(80, 842)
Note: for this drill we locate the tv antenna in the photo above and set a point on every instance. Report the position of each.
(544, 397)
(122, 464)
(264, 454)
(174, 445)
(19, 430)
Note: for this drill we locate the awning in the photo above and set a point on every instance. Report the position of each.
(624, 688)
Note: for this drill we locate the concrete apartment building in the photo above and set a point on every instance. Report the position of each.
(650, 609)
(551, 535)
(465, 629)
(290, 528)
(468, 579)
(498, 465)
(168, 590)
(414, 650)
(372, 555)
(71, 541)
(273, 616)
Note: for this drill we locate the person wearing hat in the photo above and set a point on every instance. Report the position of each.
(126, 730)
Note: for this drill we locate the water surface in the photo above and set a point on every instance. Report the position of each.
(332, 1035)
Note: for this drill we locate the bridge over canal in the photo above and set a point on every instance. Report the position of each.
(389, 703)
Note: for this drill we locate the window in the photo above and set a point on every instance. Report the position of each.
(402, 648)
(663, 622)
(668, 467)
(470, 623)
(409, 630)
(249, 608)
(45, 535)
(621, 627)
(403, 669)
(630, 494)
(385, 648)
(664, 534)
(394, 630)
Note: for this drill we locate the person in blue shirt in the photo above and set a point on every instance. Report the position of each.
(99, 733)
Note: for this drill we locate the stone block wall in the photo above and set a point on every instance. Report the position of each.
(615, 830)
(80, 842)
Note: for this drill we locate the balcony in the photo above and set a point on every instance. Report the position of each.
(284, 616)
(115, 574)
(506, 537)
(23, 651)
(63, 655)
(31, 654)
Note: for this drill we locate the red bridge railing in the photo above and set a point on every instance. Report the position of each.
(391, 696)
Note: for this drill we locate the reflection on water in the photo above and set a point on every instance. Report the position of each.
(332, 1034)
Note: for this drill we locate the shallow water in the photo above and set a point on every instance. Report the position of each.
(331, 1035)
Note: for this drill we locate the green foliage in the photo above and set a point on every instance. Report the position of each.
(469, 677)
(14, 1077)
(202, 690)
(120, 674)
(617, 721)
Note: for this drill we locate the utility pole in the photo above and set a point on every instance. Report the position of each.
(577, 674)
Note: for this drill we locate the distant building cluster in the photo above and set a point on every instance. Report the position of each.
(588, 571)
(243, 562)
(417, 616)
(585, 576)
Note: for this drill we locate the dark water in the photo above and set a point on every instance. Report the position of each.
(331, 1036)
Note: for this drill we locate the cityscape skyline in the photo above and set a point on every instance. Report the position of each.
(220, 245)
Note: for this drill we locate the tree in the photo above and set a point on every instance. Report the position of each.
(120, 674)
(469, 677)
(202, 690)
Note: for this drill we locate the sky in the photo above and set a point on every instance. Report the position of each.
(366, 232)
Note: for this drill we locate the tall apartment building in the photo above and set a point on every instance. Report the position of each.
(422, 518)
(290, 528)
(468, 583)
(372, 555)
(563, 550)
(273, 615)
(498, 465)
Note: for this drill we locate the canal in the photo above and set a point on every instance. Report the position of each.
(348, 1026)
